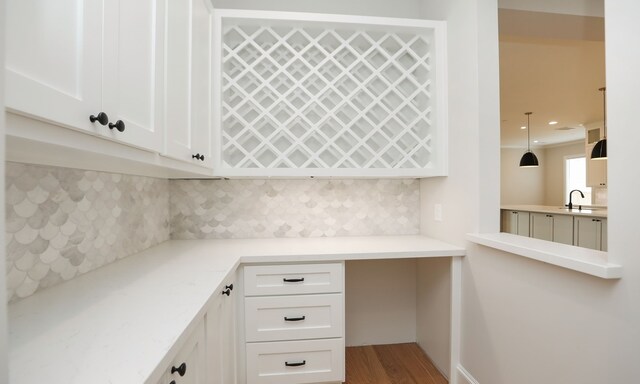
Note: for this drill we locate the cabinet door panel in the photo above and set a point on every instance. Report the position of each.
(192, 355)
(542, 226)
(587, 233)
(53, 60)
(563, 229)
(133, 81)
(188, 68)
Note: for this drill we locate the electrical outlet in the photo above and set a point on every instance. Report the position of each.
(437, 212)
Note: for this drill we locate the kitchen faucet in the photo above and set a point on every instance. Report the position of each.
(570, 205)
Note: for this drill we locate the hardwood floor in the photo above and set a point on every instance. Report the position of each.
(391, 364)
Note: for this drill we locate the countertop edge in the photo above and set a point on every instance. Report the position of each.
(583, 260)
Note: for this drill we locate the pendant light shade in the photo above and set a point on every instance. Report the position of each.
(599, 151)
(529, 159)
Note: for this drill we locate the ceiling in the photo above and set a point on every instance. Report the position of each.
(551, 65)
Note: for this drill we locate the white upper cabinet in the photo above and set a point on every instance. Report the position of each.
(188, 68)
(328, 95)
(132, 72)
(54, 59)
(72, 59)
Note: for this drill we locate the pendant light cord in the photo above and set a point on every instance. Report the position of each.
(604, 97)
(529, 132)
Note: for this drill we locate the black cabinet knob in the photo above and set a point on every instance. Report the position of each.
(172, 382)
(182, 369)
(227, 292)
(119, 125)
(229, 287)
(198, 156)
(101, 118)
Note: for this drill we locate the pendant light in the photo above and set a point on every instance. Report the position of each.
(599, 151)
(529, 158)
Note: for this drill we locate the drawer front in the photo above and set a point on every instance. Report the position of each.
(295, 362)
(293, 317)
(292, 279)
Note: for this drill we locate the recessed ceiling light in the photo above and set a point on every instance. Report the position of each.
(536, 141)
(523, 127)
(553, 122)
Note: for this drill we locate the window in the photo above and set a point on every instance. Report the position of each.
(575, 177)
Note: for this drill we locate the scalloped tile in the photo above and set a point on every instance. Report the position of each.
(64, 222)
(203, 209)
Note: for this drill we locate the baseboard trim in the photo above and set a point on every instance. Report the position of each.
(464, 377)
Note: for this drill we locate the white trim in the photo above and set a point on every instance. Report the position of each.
(464, 377)
(583, 260)
(456, 318)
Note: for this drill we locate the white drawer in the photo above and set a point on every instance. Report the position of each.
(292, 279)
(293, 317)
(295, 362)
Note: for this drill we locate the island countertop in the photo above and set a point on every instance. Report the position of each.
(592, 212)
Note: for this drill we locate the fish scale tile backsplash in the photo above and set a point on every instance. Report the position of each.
(209, 209)
(63, 222)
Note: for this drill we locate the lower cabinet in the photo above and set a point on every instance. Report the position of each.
(221, 337)
(590, 232)
(556, 228)
(294, 323)
(189, 365)
(515, 222)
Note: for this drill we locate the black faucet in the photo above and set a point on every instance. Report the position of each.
(570, 205)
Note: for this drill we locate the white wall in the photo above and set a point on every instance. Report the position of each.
(554, 193)
(526, 322)
(472, 67)
(522, 185)
(380, 298)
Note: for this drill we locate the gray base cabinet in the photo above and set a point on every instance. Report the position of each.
(590, 232)
(556, 228)
(515, 222)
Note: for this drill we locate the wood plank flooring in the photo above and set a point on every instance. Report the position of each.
(391, 364)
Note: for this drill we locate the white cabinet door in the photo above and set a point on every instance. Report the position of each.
(188, 67)
(542, 226)
(590, 232)
(53, 60)
(556, 228)
(563, 229)
(515, 222)
(189, 365)
(132, 65)
(72, 59)
(221, 339)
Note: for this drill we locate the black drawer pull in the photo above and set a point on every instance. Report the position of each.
(227, 292)
(294, 318)
(299, 280)
(182, 369)
(288, 364)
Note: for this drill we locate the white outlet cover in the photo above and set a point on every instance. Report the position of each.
(437, 212)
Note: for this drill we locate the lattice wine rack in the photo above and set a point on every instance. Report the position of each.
(327, 95)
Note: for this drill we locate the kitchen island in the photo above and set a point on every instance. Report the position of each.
(585, 227)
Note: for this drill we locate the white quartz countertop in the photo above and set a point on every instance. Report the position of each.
(121, 323)
(595, 212)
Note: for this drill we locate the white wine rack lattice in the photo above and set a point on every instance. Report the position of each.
(327, 96)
